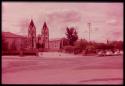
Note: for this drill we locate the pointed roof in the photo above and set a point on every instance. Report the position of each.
(31, 23)
(45, 25)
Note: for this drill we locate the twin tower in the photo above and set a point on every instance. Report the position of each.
(42, 39)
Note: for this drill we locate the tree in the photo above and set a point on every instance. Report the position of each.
(38, 45)
(65, 42)
(117, 45)
(71, 35)
(101, 46)
(80, 45)
(69, 49)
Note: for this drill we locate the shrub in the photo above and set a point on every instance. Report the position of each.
(69, 49)
(80, 46)
(90, 49)
(12, 52)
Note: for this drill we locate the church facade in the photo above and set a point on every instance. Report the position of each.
(43, 39)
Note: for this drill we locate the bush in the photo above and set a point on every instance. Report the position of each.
(77, 50)
(30, 52)
(23, 52)
(12, 52)
(69, 49)
(80, 46)
(90, 49)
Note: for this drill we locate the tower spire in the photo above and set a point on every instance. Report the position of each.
(44, 25)
(32, 34)
(31, 23)
(45, 33)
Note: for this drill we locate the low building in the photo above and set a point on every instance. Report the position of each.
(14, 41)
(55, 44)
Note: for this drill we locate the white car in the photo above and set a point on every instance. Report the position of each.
(121, 52)
(116, 53)
(101, 53)
(109, 53)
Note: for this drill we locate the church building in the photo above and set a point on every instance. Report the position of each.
(43, 39)
(31, 41)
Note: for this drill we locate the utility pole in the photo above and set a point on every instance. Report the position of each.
(89, 24)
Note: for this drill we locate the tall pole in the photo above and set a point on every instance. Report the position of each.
(89, 24)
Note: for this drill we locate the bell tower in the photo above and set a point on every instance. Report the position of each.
(45, 36)
(32, 35)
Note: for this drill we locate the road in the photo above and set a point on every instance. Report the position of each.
(62, 68)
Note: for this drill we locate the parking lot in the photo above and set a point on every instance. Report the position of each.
(62, 69)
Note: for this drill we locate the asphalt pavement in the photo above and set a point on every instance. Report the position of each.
(61, 68)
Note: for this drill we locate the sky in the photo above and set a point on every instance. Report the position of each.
(106, 19)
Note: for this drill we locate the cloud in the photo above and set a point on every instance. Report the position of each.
(112, 21)
(117, 33)
(64, 16)
(106, 18)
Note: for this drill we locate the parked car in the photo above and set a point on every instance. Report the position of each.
(121, 52)
(101, 53)
(109, 53)
(117, 52)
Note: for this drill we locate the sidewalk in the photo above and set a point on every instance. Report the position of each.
(57, 55)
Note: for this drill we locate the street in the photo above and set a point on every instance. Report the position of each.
(60, 68)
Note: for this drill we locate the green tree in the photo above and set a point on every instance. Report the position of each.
(117, 45)
(71, 35)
